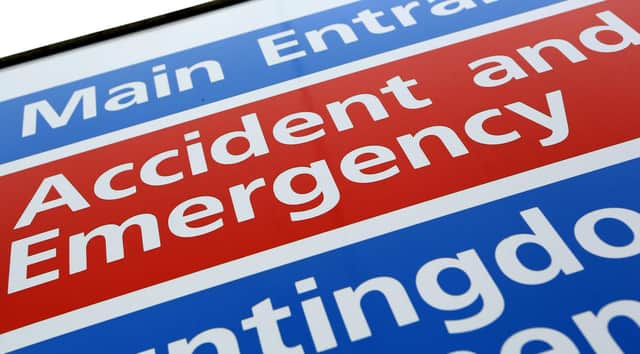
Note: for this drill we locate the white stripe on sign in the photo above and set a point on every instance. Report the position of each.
(321, 243)
(291, 85)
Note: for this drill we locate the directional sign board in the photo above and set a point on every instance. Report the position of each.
(455, 176)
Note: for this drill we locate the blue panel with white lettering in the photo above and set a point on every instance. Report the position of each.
(115, 100)
(550, 268)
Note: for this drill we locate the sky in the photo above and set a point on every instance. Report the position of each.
(29, 24)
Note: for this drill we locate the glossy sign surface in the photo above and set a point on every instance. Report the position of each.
(374, 177)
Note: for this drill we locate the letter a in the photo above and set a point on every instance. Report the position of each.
(505, 70)
(69, 196)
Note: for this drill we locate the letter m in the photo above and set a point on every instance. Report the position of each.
(87, 96)
(113, 236)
